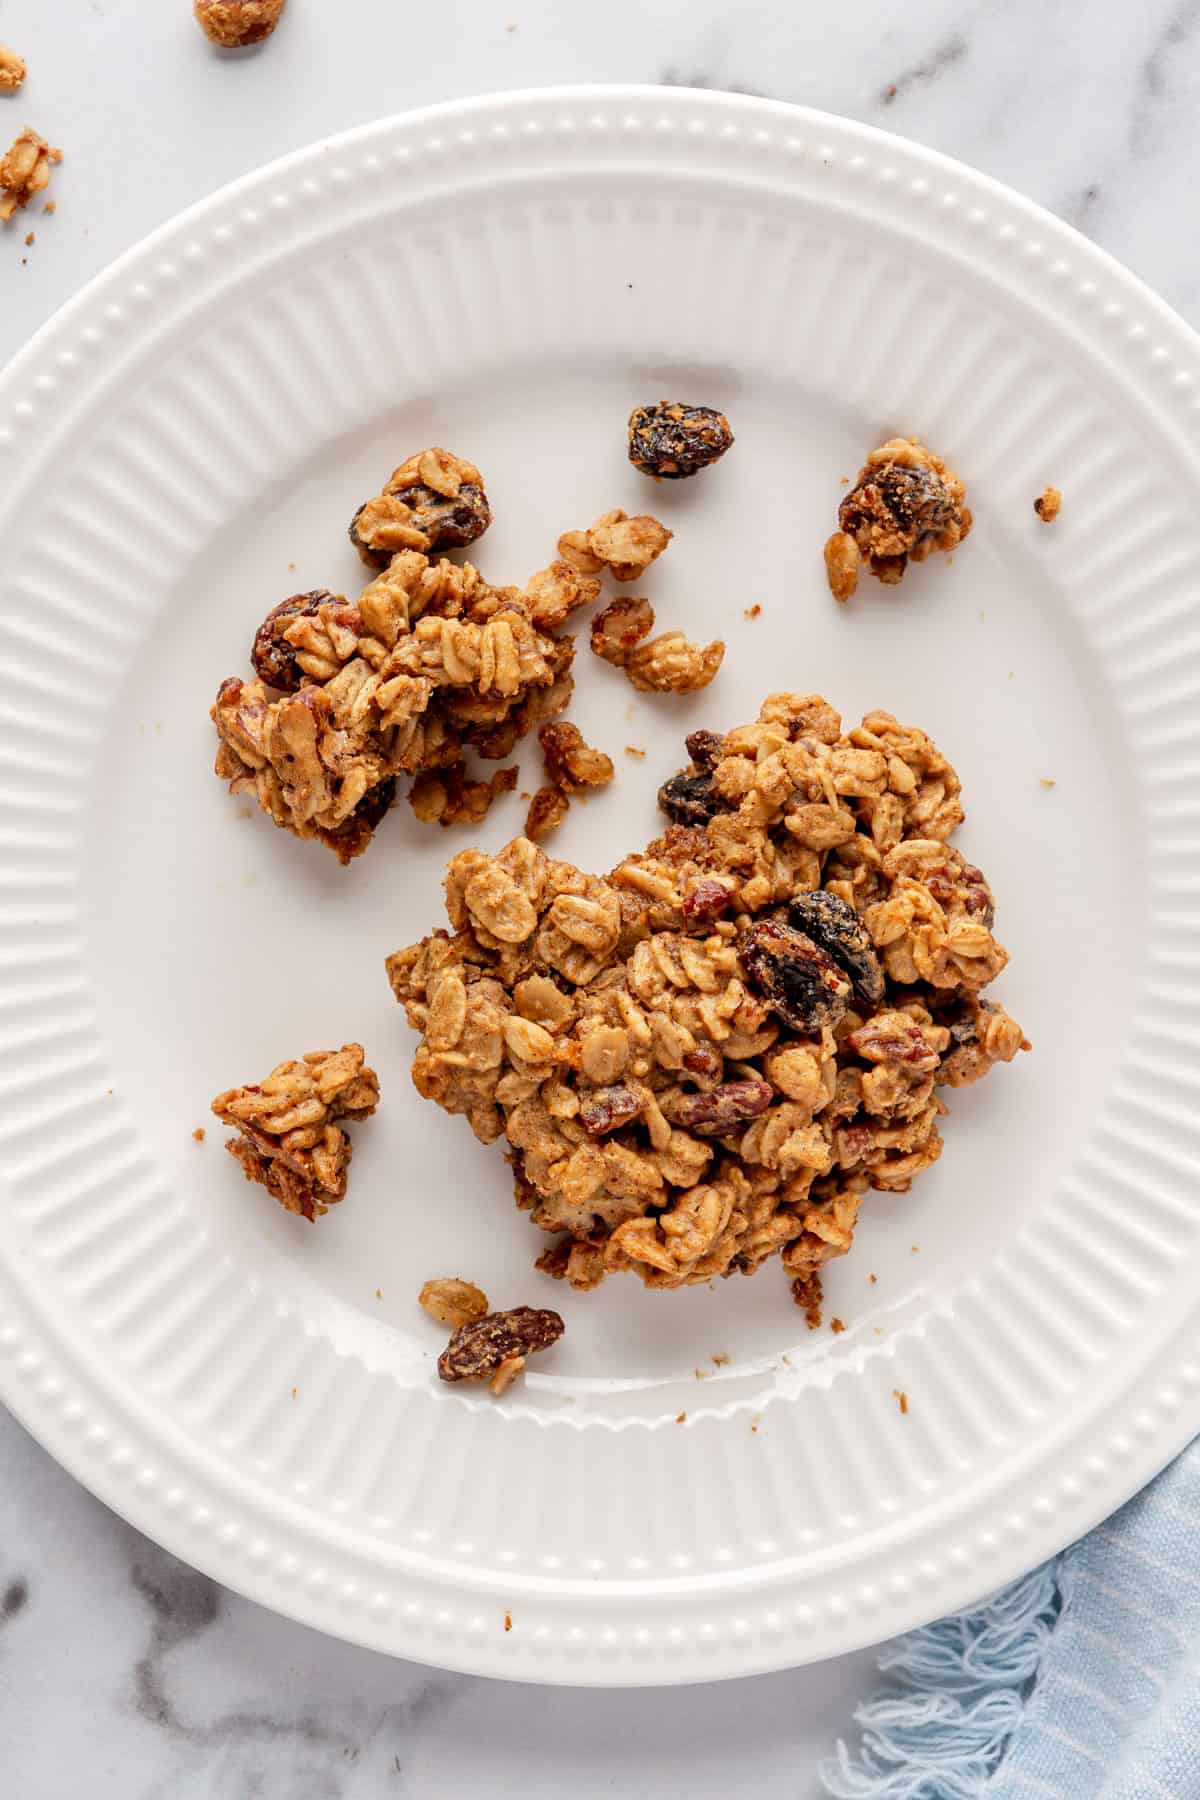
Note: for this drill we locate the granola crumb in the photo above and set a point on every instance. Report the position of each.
(198, 1134)
(547, 810)
(700, 1374)
(51, 206)
(1047, 781)
(508, 1621)
(836, 1325)
(29, 238)
(632, 750)
(753, 612)
(12, 69)
(667, 664)
(287, 1138)
(905, 504)
(24, 171)
(379, 1293)
(872, 1279)
(756, 1421)
(569, 761)
(1047, 505)
(720, 1358)
(681, 1418)
(295, 1391)
(916, 1249)
(236, 24)
(902, 1397)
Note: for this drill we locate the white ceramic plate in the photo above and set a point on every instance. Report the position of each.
(181, 447)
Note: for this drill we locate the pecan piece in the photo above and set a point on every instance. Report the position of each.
(722, 1108)
(609, 1108)
(478, 1351)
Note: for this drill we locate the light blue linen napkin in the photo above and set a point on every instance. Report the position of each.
(1079, 1682)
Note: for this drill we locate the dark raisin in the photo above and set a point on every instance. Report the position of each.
(273, 657)
(800, 982)
(608, 1108)
(837, 929)
(376, 801)
(690, 799)
(476, 1351)
(446, 522)
(704, 747)
(673, 441)
(914, 503)
(723, 1108)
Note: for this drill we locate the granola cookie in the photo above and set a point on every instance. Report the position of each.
(708, 1058)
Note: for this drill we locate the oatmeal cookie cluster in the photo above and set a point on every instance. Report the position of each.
(429, 662)
(707, 1058)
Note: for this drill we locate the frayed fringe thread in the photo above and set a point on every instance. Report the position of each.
(962, 1688)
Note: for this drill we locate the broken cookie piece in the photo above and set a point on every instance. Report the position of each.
(288, 1135)
(904, 504)
(12, 69)
(433, 501)
(668, 664)
(625, 547)
(24, 171)
(236, 24)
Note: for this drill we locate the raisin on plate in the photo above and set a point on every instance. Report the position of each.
(671, 441)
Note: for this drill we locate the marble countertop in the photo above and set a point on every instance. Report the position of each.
(122, 1671)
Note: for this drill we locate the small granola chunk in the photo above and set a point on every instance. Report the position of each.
(12, 69)
(625, 547)
(433, 501)
(671, 441)
(905, 504)
(453, 1302)
(288, 1138)
(667, 664)
(447, 797)
(494, 1348)
(24, 171)
(571, 763)
(547, 810)
(235, 24)
(1048, 505)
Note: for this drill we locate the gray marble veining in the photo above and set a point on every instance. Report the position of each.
(123, 1673)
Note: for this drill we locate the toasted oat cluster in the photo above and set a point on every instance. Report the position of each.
(288, 1135)
(12, 69)
(235, 24)
(24, 171)
(433, 501)
(625, 547)
(571, 764)
(667, 664)
(428, 662)
(905, 504)
(708, 1057)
